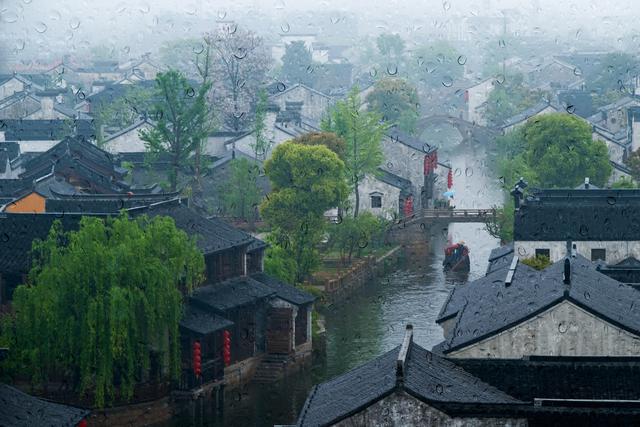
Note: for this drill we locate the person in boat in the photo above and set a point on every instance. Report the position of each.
(456, 257)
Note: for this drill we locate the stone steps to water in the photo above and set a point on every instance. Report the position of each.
(271, 368)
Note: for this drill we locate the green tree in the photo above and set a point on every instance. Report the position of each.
(362, 132)
(297, 64)
(124, 111)
(278, 262)
(633, 162)
(262, 144)
(240, 194)
(436, 64)
(354, 234)
(397, 100)
(561, 152)
(501, 226)
(99, 301)
(329, 139)
(306, 182)
(390, 45)
(510, 98)
(182, 120)
(624, 183)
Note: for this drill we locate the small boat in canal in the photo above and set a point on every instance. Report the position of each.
(456, 258)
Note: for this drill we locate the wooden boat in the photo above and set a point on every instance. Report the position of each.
(456, 258)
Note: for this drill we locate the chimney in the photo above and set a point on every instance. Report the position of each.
(403, 355)
(566, 279)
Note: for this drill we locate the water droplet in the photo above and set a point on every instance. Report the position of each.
(41, 27)
(439, 389)
(9, 17)
(446, 5)
(285, 27)
(373, 72)
(501, 43)
(447, 81)
(281, 87)
(587, 295)
(74, 23)
(389, 165)
(190, 93)
(126, 49)
(577, 71)
(500, 78)
(457, 172)
(571, 109)
(19, 44)
(562, 327)
(144, 8)
(198, 49)
(611, 200)
(310, 69)
(468, 172)
(335, 19)
(222, 14)
(392, 70)
(191, 9)
(240, 53)
(462, 59)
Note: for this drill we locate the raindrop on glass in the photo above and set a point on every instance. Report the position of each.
(41, 27)
(462, 59)
(285, 27)
(447, 81)
(392, 70)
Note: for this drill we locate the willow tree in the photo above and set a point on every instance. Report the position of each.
(100, 300)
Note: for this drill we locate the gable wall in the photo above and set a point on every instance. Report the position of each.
(314, 105)
(31, 203)
(390, 197)
(401, 409)
(10, 87)
(563, 330)
(128, 142)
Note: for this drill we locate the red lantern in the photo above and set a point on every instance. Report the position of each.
(450, 179)
(408, 206)
(197, 358)
(82, 423)
(226, 347)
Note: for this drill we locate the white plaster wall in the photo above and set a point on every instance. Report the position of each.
(314, 104)
(635, 140)
(390, 196)
(402, 409)
(36, 146)
(615, 151)
(563, 330)
(10, 87)
(128, 142)
(616, 250)
(478, 95)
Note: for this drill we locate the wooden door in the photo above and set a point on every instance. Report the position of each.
(279, 330)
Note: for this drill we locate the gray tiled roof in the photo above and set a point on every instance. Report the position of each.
(579, 215)
(428, 377)
(231, 293)
(497, 307)
(285, 291)
(201, 321)
(18, 409)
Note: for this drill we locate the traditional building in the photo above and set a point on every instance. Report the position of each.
(411, 386)
(19, 409)
(315, 104)
(598, 222)
(128, 140)
(385, 194)
(38, 136)
(541, 108)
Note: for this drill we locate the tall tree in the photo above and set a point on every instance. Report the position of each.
(306, 181)
(510, 98)
(390, 45)
(239, 193)
(240, 66)
(100, 300)
(297, 64)
(262, 143)
(397, 100)
(182, 120)
(362, 131)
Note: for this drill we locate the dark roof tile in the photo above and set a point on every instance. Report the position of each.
(284, 290)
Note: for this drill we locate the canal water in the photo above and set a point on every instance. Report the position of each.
(373, 319)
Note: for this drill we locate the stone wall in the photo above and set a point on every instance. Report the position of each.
(401, 409)
(563, 330)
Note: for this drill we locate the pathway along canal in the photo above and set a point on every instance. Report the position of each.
(372, 320)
